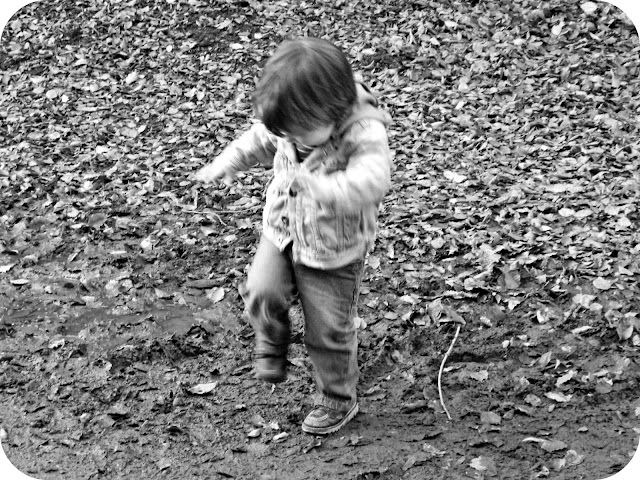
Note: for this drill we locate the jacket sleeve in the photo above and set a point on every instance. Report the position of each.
(367, 176)
(256, 145)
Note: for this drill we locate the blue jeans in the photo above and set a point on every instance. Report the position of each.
(328, 299)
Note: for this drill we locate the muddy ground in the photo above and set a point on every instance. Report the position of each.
(95, 393)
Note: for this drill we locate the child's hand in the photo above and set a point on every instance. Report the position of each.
(212, 173)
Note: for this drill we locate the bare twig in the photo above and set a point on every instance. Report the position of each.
(223, 212)
(444, 360)
(251, 209)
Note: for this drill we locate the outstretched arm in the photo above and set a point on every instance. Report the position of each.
(254, 146)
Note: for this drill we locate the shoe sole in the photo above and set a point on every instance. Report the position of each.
(333, 428)
(271, 377)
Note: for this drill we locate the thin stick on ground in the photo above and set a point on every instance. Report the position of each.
(444, 360)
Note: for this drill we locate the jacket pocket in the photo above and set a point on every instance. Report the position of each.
(353, 228)
(329, 228)
(307, 225)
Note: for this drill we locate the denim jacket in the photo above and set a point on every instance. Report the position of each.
(328, 204)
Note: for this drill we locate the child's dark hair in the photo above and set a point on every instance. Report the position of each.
(306, 83)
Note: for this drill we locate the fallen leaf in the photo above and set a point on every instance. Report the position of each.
(454, 177)
(584, 213)
(258, 449)
(202, 388)
(621, 365)
(281, 437)
(162, 294)
(216, 294)
(118, 411)
(490, 418)
(146, 244)
(132, 77)
(526, 410)
(415, 459)
(438, 242)
(624, 223)
(374, 262)
(435, 310)
(314, 443)
(510, 279)
(558, 397)
(452, 316)
(53, 93)
(602, 284)
(558, 464)
(273, 425)
(360, 323)
(583, 329)
(544, 360)
(97, 220)
(480, 376)
(542, 316)
(583, 299)
(547, 445)
(624, 331)
(557, 29)
(566, 377)
(572, 458)
(604, 385)
(533, 400)
(589, 8)
(433, 451)
(484, 464)
(60, 342)
(373, 390)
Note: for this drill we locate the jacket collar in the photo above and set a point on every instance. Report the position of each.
(365, 107)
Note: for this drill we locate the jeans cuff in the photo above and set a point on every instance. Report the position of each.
(264, 350)
(340, 405)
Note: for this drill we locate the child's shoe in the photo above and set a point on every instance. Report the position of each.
(323, 420)
(272, 369)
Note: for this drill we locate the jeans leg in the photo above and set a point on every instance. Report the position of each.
(329, 299)
(268, 294)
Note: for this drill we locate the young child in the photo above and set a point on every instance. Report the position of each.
(325, 137)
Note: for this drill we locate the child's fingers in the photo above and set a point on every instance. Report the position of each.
(214, 178)
(193, 177)
(209, 174)
(228, 180)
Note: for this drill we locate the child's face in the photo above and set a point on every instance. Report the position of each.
(310, 138)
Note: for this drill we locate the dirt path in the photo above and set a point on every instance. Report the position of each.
(92, 395)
